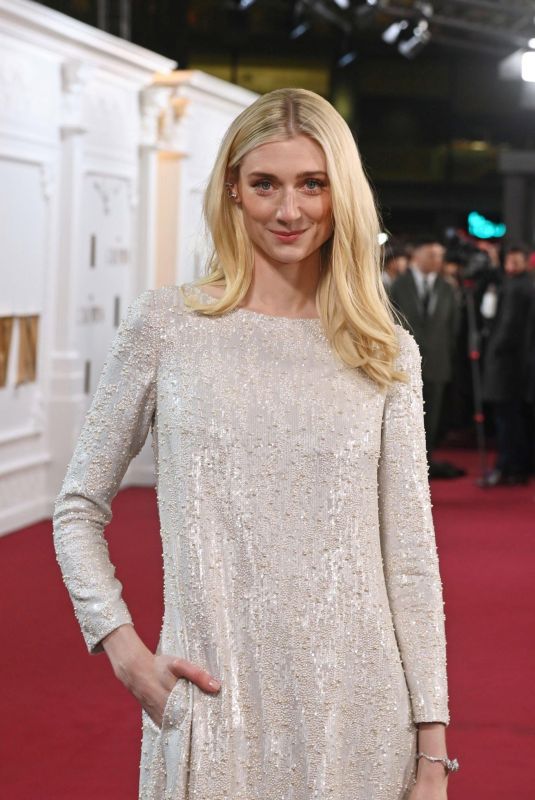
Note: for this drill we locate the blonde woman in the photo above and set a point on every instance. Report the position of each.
(302, 649)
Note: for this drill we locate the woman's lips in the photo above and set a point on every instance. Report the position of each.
(287, 237)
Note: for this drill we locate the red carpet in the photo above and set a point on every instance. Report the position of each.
(72, 732)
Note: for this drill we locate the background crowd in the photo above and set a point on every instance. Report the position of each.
(471, 308)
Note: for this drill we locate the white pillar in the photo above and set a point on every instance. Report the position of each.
(153, 101)
(67, 399)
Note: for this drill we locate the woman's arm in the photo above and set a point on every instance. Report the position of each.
(114, 430)
(410, 558)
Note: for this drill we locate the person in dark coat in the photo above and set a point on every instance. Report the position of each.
(530, 370)
(395, 263)
(430, 311)
(506, 376)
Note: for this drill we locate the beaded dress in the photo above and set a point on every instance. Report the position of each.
(299, 554)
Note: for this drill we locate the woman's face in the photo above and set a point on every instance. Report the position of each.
(285, 198)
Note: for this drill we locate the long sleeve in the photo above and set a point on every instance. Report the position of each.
(410, 557)
(114, 430)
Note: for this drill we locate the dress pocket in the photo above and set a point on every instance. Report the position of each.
(174, 710)
(176, 705)
(166, 749)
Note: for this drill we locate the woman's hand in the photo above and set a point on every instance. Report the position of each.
(431, 782)
(150, 678)
(423, 790)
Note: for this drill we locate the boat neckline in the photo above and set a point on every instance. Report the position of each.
(255, 313)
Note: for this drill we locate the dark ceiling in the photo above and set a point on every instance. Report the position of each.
(180, 27)
(430, 123)
(493, 27)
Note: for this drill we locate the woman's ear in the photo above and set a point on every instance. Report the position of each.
(231, 185)
(232, 190)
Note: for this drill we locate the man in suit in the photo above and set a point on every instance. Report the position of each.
(506, 374)
(395, 263)
(430, 311)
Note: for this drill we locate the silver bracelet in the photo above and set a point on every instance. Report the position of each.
(449, 765)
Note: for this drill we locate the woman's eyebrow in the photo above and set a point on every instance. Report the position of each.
(299, 175)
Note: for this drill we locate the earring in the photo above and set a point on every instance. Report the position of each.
(230, 194)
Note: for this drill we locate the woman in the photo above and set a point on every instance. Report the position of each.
(300, 565)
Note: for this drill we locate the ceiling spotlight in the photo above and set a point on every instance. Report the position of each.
(420, 37)
(346, 58)
(391, 34)
(299, 29)
(343, 3)
(367, 9)
(243, 4)
(425, 8)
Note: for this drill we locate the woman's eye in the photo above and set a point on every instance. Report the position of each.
(263, 185)
(318, 183)
(312, 185)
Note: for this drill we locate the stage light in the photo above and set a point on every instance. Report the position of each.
(367, 10)
(426, 9)
(245, 4)
(382, 238)
(528, 66)
(391, 34)
(347, 58)
(420, 37)
(300, 29)
(343, 3)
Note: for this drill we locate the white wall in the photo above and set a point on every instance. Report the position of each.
(71, 131)
(104, 155)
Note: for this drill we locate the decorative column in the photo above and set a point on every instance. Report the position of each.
(67, 399)
(153, 101)
(171, 202)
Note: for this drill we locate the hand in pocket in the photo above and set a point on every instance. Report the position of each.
(154, 677)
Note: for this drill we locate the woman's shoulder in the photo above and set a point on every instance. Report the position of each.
(408, 359)
(408, 349)
(156, 306)
(171, 298)
(149, 313)
(154, 312)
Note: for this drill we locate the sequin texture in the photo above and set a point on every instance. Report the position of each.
(300, 563)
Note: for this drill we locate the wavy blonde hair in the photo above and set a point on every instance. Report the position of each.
(354, 308)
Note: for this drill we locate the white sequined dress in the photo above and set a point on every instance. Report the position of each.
(300, 562)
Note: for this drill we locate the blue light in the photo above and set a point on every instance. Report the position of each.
(484, 228)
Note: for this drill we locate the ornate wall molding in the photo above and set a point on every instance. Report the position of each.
(75, 77)
(153, 102)
(48, 172)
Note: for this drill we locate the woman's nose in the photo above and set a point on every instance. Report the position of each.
(288, 209)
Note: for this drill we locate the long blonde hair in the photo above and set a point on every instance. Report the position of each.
(354, 308)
